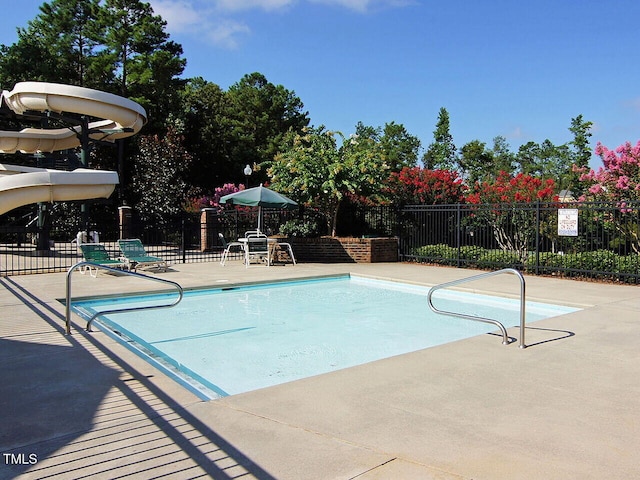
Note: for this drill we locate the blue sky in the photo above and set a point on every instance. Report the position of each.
(517, 69)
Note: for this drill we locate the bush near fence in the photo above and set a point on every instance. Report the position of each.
(599, 264)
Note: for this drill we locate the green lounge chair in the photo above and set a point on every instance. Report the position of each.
(97, 253)
(134, 255)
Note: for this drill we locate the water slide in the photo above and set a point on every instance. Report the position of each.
(118, 117)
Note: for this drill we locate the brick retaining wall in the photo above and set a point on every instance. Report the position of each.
(345, 249)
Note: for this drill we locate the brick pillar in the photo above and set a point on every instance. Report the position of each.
(207, 242)
(124, 215)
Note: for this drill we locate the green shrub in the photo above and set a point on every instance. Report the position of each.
(629, 264)
(499, 258)
(549, 259)
(604, 261)
(549, 262)
(577, 264)
(436, 251)
(440, 253)
(601, 260)
(471, 253)
(299, 228)
(552, 262)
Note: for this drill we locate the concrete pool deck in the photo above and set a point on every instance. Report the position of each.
(568, 406)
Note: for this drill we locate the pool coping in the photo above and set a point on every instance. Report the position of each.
(229, 285)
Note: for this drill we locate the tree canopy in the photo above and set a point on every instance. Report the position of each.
(158, 180)
(400, 147)
(122, 47)
(245, 125)
(118, 46)
(441, 154)
(315, 170)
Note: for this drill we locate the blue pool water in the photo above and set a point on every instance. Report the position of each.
(226, 341)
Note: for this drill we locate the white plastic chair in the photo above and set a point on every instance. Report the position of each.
(227, 248)
(257, 248)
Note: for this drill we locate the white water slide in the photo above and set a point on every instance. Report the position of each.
(119, 118)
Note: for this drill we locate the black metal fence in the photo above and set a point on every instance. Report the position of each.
(585, 240)
(52, 247)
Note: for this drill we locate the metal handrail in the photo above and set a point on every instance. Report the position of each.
(505, 337)
(117, 310)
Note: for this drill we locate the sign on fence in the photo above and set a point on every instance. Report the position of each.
(568, 222)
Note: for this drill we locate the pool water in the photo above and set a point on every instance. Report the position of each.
(226, 341)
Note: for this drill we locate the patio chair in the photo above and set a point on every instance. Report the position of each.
(257, 248)
(97, 253)
(134, 255)
(227, 248)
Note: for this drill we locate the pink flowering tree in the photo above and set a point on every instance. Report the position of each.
(196, 204)
(618, 181)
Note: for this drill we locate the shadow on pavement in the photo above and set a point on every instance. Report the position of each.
(82, 411)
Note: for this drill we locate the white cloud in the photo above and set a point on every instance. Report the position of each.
(180, 15)
(194, 18)
(219, 22)
(515, 134)
(238, 5)
(363, 6)
(357, 5)
(226, 33)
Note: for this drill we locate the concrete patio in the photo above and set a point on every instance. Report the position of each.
(565, 407)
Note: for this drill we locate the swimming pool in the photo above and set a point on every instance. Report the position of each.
(223, 341)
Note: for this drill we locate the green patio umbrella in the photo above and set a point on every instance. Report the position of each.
(259, 197)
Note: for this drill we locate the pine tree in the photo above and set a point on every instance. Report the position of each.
(441, 154)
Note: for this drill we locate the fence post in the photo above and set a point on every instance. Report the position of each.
(537, 237)
(124, 218)
(458, 235)
(207, 242)
(183, 243)
(397, 212)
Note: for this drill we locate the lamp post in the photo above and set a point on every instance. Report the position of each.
(247, 174)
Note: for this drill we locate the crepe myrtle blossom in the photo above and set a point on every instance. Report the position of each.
(424, 186)
(196, 204)
(498, 207)
(618, 179)
(520, 188)
(618, 182)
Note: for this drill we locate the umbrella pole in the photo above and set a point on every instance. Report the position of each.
(259, 218)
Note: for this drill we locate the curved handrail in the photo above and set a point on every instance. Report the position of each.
(505, 337)
(117, 310)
